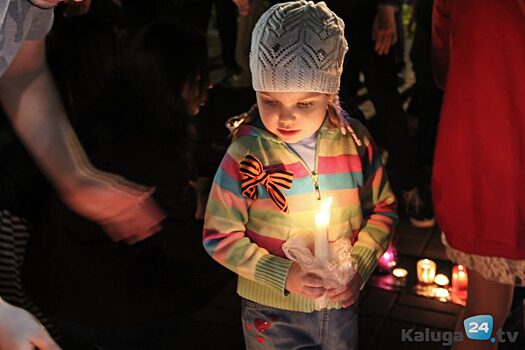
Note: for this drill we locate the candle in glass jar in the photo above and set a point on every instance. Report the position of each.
(459, 278)
(426, 271)
(322, 220)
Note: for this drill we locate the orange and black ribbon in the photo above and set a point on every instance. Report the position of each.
(253, 175)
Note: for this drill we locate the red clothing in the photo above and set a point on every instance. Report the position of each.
(479, 168)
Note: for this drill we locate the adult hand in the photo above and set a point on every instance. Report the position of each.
(19, 330)
(125, 210)
(243, 6)
(349, 294)
(306, 284)
(384, 30)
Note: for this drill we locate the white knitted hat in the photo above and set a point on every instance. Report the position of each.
(298, 46)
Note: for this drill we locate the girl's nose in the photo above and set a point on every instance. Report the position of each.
(286, 115)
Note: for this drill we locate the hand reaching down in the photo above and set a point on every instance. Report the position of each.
(126, 211)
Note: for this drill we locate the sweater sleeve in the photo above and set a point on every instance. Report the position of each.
(378, 205)
(224, 236)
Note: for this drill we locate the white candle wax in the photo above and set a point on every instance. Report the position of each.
(322, 220)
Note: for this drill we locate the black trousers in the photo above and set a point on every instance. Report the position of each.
(426, 97)
(389, 126)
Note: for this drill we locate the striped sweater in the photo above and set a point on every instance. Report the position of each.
(246, 235)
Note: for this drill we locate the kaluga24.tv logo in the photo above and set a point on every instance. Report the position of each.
(477, 327)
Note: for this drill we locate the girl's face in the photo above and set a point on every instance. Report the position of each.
(292, 116)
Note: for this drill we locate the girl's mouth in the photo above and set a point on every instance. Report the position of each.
(285, 132)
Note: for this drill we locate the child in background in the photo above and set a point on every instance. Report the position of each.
(285, 157)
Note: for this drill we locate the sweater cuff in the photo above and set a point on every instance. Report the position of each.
(366, 262)
(272, 271)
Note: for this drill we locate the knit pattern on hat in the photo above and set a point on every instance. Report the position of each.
(298, 46)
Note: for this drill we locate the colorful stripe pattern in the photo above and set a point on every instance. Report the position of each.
(244, 229)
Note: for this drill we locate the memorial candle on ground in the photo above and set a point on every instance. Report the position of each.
(459, 278)
(426, 271)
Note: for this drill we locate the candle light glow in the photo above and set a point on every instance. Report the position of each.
(426, 271)
(322, 220)
(440, 292)
(388, 259)
(400, 272)
(441, 280)
(459, 279)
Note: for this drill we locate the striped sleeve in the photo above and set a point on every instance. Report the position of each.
(378, 205)
(224, 236)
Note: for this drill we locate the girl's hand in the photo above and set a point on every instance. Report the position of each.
(347, 295)
(306, 284)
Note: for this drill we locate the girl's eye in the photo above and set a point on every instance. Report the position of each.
(269, 102)
(305, 104)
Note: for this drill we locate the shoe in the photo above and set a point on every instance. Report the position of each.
(419, 208)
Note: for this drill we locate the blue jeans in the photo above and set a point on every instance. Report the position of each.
(268, 328)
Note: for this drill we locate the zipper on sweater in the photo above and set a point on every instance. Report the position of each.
(313, 174)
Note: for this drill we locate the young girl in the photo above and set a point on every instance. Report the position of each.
(286, 156)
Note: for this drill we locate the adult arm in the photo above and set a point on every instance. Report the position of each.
(32, 104)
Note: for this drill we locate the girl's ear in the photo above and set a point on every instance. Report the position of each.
(331, 98)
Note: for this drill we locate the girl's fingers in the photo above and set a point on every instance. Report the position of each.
(349, 303)
(334, 292)
(342, 296)
(312, 280)
(313, 292)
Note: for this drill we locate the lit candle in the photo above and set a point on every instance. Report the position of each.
(440, 292)
(441, 280)
(426, 270)
(322, 220)
(459, 278)
(400, 273)
(388, 259)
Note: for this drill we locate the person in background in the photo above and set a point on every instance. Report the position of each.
(125, 210)
(139, 296)
(479, 165)
(285, 156)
